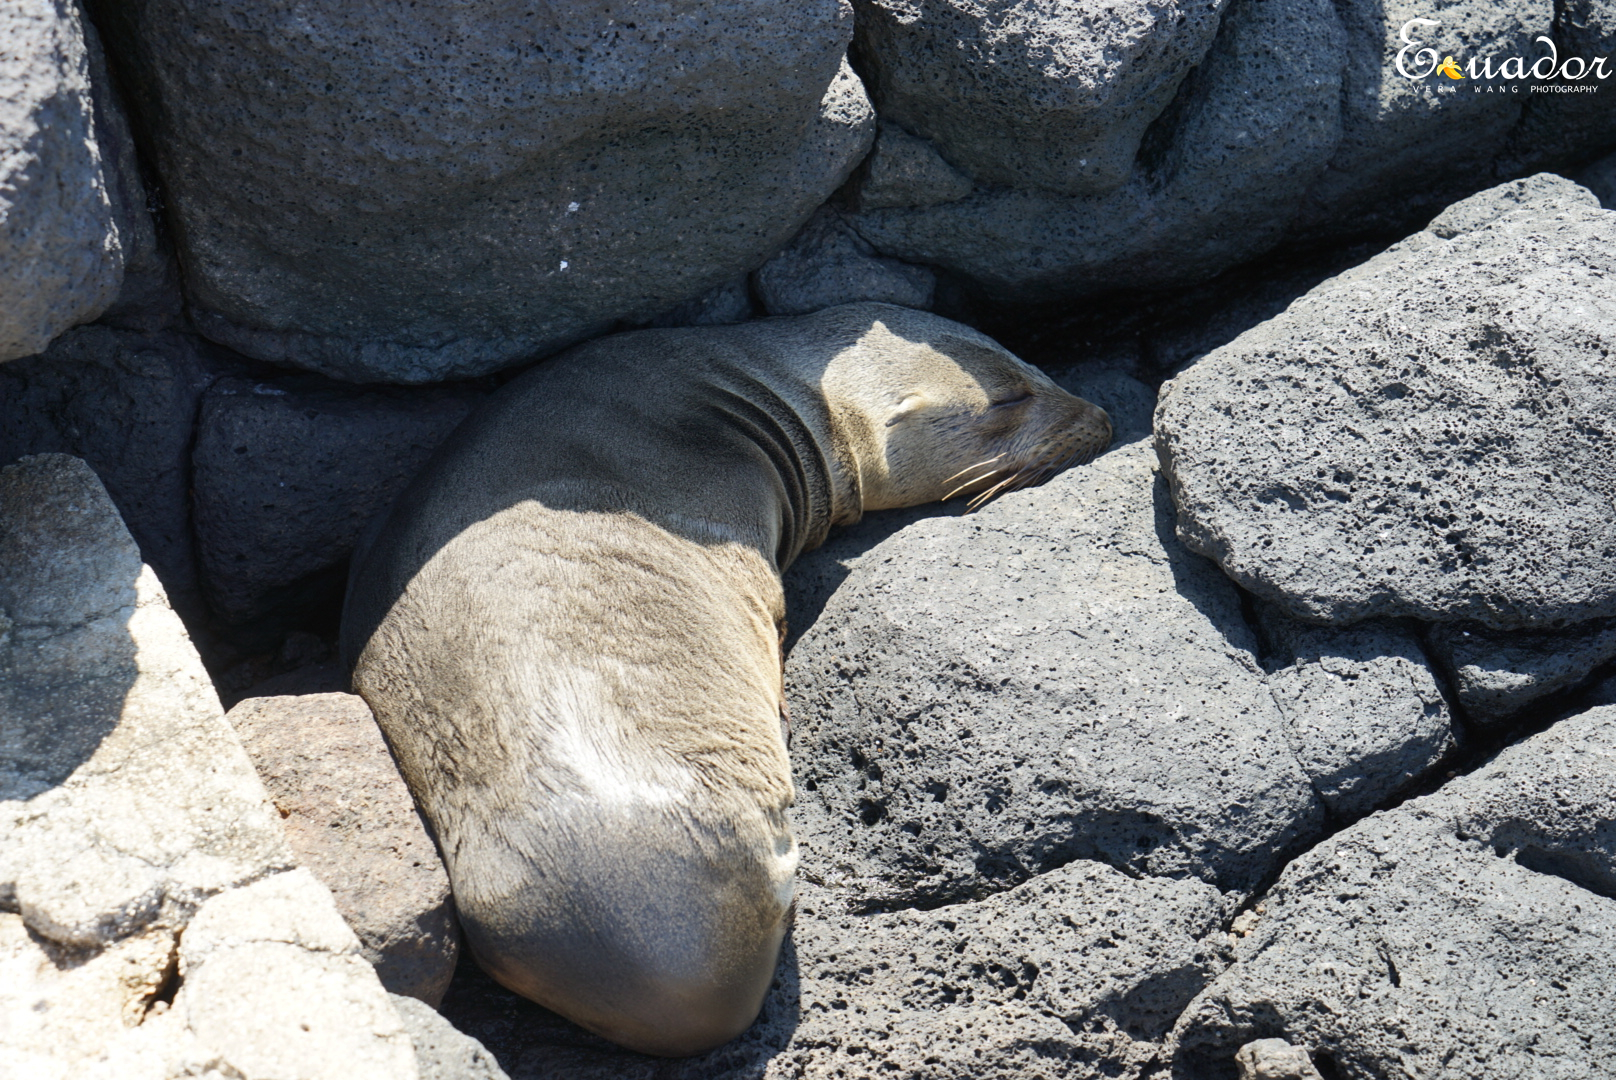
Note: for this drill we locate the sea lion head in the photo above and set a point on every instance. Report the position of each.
(940, 410)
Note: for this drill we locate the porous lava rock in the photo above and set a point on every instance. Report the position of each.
(1216, 185)
(1363, 707)
(287, 474)
(1466, 933)
(1496, 674)
(1293, 126)
(1425, 435)
(72, 207)
(1028, 94)
(422, 193)
(1052, 678)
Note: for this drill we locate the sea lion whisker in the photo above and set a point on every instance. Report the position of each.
(976, 480)
(968, 468)
(979, 501)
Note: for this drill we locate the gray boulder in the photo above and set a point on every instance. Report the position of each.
(1032, 95)
(987, 698)
(414, 195)
(1361, 704)
(905, 170)
(1402, 441)
(1495, 674)
(287, 474)
(127, 403)
(828, 264)
(1217, 183)
(1411, 146)
(1293, 127)
(61, 246)
(152, 925)
(351, 821)
(1467, 933)
(1557, 127)
(1015, 638)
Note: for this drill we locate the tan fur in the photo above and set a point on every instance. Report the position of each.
(569, 631)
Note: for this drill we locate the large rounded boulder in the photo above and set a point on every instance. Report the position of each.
(418, 193)
(1426, 435)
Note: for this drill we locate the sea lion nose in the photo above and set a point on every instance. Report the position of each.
(1107, 429)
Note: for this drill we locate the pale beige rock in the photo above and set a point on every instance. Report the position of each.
(86, 1005)
(1274, 1059)
(140, 859)
(125, 799)
(272, 972)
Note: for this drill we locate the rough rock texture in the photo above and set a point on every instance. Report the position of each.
(1293, 127)
(1560, 127)
(149, 297)
(1466, 933)
(1497, 674)
(441, 1052)
(1394, 129)
(130, 813)
(271, 975)
(905, 170)
(71, 205)
(287, 475)
(1034, 95)
(129, 800)
(1427, 434)
(1217, 184)
(828, 264)
(1364, 711)
(1052, 678)
(1015, 639)
(127, 403)
(351, 821)
(1079, 972)
(420, 194)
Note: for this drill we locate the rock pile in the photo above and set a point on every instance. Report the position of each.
(152, 921)
(1470, 931)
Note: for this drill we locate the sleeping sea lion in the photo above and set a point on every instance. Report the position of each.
(569, 629)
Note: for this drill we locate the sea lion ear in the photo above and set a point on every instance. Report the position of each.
(910, 404)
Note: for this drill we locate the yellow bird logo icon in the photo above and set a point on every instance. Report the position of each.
(1450, 69)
